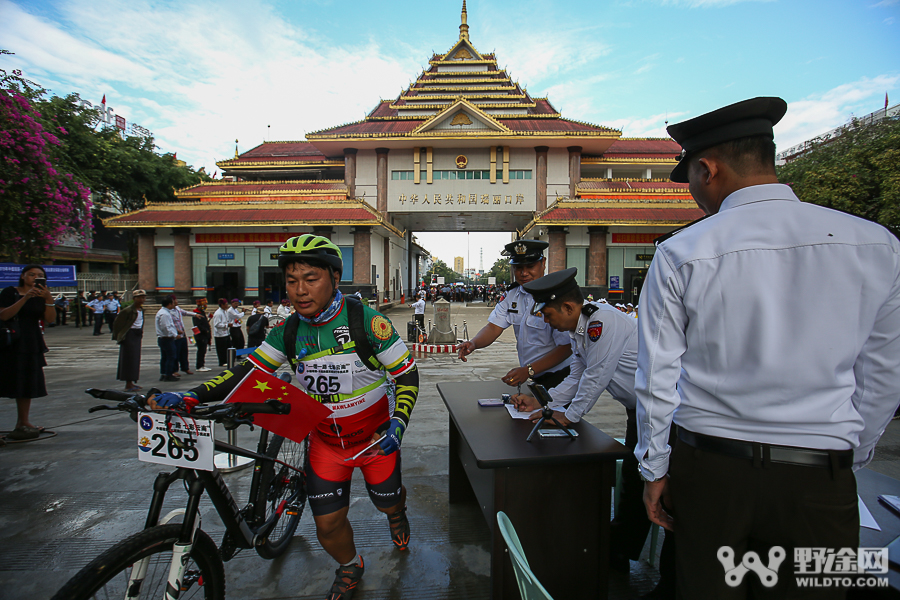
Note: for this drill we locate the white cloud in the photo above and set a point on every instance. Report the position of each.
(652, 126)
(200, 75)
(819, 113)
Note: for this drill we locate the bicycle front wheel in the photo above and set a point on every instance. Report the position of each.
(108, 575)
(281, 489)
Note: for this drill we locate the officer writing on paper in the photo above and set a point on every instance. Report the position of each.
(544, 354)
(604, 344)
(770, 334)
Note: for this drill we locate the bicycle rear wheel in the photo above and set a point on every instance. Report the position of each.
(281, 489)
(108, 575)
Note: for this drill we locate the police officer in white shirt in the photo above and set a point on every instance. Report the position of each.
(98, 308)
(544, 354)
(604, 357)
(419, 310)
(770, 334)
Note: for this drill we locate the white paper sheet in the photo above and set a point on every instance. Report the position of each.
(515, 414)
(865, 517)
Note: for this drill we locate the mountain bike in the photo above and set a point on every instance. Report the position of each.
(173, 557)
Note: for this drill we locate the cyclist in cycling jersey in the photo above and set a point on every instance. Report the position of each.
(328, 366)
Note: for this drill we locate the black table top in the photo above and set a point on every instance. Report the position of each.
(497, 440)
(870, 485)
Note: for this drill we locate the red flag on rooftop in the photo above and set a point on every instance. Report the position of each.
(104, 99)
(885, 101)
(306, 413)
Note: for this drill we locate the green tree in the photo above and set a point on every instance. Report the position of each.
(40, 201)
(121, 172)
(440, 269)
(500, 270)
(857, 172)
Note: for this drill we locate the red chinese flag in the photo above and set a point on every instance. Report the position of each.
(305, 413)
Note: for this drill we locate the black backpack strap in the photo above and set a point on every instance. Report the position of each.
(355, 316)
(290, 339)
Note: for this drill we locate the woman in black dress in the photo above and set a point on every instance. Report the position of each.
(23, 363)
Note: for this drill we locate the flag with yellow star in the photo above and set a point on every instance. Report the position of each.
(306, 413)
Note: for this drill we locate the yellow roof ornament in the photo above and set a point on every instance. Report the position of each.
(235, 149)
(463, 27)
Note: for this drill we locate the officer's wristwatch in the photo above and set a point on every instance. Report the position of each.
(530, 371)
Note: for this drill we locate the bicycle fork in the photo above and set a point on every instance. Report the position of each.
(181, 550)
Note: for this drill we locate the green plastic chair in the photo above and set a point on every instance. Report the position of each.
(529, 587)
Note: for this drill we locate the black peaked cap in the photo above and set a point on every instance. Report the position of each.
(525, 252)
(549, 287)
(743, 119)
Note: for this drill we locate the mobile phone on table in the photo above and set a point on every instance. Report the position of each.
(41, 281)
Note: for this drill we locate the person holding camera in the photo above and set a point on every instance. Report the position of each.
(22, 308)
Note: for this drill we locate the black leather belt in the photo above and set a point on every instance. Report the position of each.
(805, 457)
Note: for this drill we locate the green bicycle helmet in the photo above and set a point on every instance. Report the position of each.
(314, 249)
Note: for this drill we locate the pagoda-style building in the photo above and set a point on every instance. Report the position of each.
(463, 148)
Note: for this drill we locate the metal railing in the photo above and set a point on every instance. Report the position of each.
(826, 137)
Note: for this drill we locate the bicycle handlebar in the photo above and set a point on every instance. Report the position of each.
(229, 414)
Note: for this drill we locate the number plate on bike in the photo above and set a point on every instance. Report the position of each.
(187, 443)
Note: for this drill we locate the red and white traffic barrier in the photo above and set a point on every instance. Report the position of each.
(435, 348)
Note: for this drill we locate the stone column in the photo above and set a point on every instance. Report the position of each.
(540, 177)
(596, 274)
(147, 261)
(387, 269)
(183, 261)
(362, 255)
(574, 170)
(323, 230)
(556, 261)
(381, 172)
(350, 171)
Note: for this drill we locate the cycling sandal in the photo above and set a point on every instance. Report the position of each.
(399, 529)
(345, 581)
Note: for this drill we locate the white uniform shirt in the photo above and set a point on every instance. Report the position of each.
(419, 307)
(220, 323)
(283, 311)
(773, 321)
(96, 305)
(604, 357)
(534, 338)
(165, 324)
(235, 315)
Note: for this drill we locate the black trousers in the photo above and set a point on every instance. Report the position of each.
(98, 323)
(420, 321)
(202, 346)
(237, 338)
(222, 346)
(628, 531)
(181, 354)
(166, 355)
(720, 500)
(553, 378)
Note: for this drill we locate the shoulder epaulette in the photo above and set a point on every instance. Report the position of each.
(512, 286)
(666, 236)
(589, 309)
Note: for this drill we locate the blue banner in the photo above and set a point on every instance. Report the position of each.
(57, 275)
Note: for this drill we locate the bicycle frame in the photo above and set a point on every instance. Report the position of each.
(245, 535)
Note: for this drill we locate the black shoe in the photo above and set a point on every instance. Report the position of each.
(168, 378)
(345, 581)
(399, 529)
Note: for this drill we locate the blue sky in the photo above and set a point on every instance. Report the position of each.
(201, 74)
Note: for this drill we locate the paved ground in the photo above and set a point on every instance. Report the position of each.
(68, 498)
